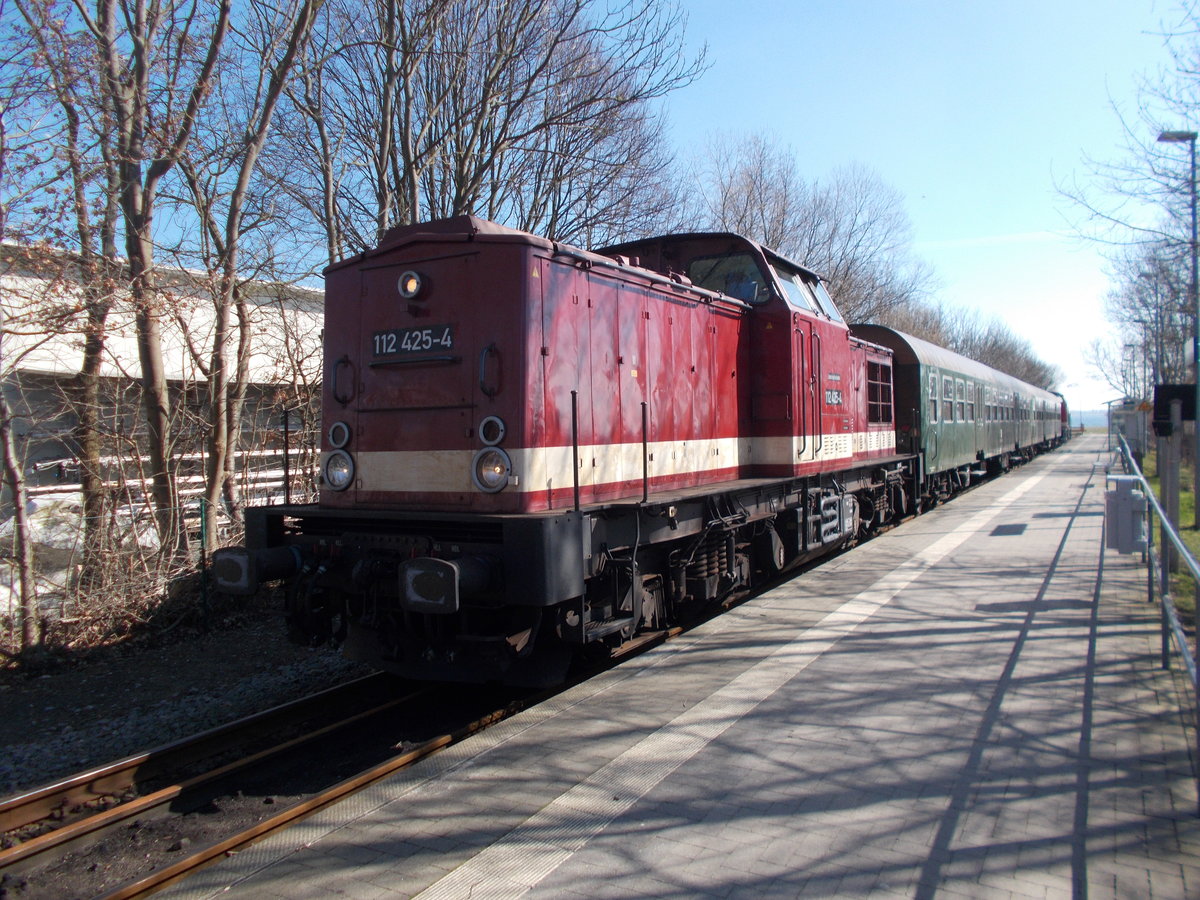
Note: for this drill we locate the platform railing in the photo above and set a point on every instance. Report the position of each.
(1158, 572)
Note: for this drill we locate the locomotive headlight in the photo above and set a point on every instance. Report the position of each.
(339, 470)
(490, 469)
(339, 435)
(409, 285)
(492, 430)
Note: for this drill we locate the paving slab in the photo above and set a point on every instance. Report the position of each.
(968, 706)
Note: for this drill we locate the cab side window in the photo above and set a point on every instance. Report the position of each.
(879, 393)
(733, 274)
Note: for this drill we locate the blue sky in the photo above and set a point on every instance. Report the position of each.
(974, 111)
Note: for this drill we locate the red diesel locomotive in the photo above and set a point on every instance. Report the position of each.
(530, 449)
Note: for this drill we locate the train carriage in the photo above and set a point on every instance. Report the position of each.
(961, 418)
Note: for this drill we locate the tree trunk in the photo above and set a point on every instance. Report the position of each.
(87, 437)
(23, 544)
(156, 402)
(218, 418)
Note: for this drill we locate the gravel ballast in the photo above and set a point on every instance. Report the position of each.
(121, 702)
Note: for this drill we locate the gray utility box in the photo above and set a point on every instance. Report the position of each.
(1125, 515)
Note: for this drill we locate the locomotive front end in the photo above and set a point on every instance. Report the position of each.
(424, 359)
(431, 357)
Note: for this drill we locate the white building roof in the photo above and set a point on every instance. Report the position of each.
(43, 322)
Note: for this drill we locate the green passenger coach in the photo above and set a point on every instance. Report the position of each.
(961, 418)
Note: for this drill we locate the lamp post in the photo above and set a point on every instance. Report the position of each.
(1156, 361)
(1189, 138)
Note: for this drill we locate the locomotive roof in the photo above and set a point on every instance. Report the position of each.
(625, 248)
(463, 228)
(911, 350)
(471, 225)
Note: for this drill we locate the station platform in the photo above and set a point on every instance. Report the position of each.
(970, 705)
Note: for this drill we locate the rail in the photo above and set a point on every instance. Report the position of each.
(1171, 627)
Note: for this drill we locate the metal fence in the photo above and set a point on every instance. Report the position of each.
(1158, 581)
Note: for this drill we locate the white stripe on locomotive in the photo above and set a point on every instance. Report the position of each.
(549, 468)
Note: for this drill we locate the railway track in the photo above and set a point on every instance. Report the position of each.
(184, 867)
(181, 869)
(51, 822)
(52, 829)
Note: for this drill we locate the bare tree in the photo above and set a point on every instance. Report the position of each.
(1152, 318)
(157, 63)
(13, 479)
(992, 342)
(965, 331)
(89, 214)
(1137, 204)
(28, 320)
(533, 112)
(219, 172)
(852, 229)
(24, 175)
(1119, 366)
(1140, 196)
(602, 180)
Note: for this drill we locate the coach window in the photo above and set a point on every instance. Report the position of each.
(947, 399)
(879, 394)
(961, 395)
(971, 388)
(933, 398)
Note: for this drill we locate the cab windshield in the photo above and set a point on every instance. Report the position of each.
(732, 274)
(826, 302)
(804, 291)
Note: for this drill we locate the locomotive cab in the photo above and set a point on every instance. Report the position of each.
(813, 396)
